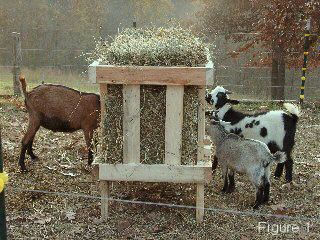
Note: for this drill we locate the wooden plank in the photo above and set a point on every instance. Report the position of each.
(131, 123)
(103, 98)
(210, 73)
(92, 72)
(95, 171)
(201, 123)
(173, 127)
(105, 194)
(151, 75)
(155, 173)
(200, 202)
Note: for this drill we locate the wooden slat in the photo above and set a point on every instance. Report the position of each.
(200, 202)
(105, 194)
(173, 127)
(155, 173)
(201, 123)
(209, 73)
(151, 75)
(131, 123)
(103, 98)
(92, 72)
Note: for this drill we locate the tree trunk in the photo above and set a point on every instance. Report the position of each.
(278, 72)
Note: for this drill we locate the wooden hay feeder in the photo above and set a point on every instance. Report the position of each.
(172, 170)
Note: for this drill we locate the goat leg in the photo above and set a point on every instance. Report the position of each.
(33, 127)
(231, 186)
(88, 135)
(30, 151)
(225, 185)
(289, 168)
(266, 192)
(259, 197)
(279, 170)
(22, 157)
(214, 163)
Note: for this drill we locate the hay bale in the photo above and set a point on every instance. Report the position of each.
(172, 46)
(113, 123)
(152, 125)
(190, 125)
(152, 120)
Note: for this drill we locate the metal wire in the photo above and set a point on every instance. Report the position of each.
(218, 210)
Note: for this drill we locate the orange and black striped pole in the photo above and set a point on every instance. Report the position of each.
(305, 59)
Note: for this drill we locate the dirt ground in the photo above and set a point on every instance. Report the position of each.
(61, 168)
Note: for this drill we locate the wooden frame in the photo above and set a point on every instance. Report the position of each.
(175, 78)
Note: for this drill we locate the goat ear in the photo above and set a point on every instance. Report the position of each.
(228, 92)
(223, 123)
(208, 97)
(233, 101)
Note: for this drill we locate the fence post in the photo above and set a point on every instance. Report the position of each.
(3, 225)
(305, 59)
(17, 61)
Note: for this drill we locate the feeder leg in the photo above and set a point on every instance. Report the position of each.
(105, 194)
(200, 202)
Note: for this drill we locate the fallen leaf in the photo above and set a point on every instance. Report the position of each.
(70, 215)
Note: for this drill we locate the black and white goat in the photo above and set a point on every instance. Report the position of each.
(275, 128)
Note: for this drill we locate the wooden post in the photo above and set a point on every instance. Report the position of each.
(201, 123)
(103, 98)
(131, 124)
(174, 121)
(105, 194)
(200, 202)
(3, 225)
(17, 61)
(305, 59)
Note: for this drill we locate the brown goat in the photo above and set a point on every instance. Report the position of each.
(60, 109)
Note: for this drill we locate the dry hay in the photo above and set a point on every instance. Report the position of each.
(153, 117)
(172, 46)
(152, 125)
(113, 137)
(190, 125)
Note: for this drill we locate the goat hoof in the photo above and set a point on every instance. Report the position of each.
(23, 170)
(255, 206)
(223, 190)
(230, 190)
(34, 159)
(289, 180)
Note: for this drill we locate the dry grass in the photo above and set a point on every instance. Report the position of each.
(173, 46)
(71, 78)
(61, 168)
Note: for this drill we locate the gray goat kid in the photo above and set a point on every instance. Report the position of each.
(244, 156)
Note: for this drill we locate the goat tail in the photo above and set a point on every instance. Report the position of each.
(23, 85)
(293, 109)
(280, 157)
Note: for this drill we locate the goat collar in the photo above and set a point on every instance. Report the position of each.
(223, 110)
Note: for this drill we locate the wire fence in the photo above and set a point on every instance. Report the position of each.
(169, 205)
(69, 67)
